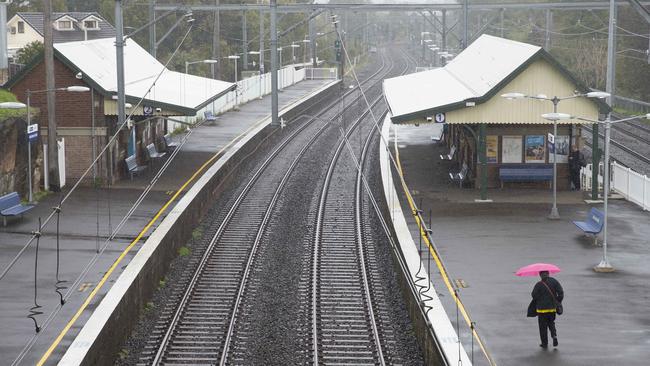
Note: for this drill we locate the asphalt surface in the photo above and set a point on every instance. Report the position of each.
(482, 244)
(84, 216)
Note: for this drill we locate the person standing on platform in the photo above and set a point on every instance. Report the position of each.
(547, 295)
(576, 162)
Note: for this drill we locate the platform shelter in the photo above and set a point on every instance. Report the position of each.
(488, 132)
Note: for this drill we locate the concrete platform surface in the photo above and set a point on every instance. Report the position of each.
(85, 215)
(606, 319)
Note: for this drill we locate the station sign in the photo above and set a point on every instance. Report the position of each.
(551, 143)
(147, 110)
(440, 118)
(32, 132)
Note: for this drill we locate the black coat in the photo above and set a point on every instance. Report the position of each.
(543, 298)
(576, 161)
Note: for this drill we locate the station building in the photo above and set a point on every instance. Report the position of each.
(485, 131)
(87, 120)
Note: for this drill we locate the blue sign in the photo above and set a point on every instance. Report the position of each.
(32, 132)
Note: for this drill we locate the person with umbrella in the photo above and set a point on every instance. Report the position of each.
(547, 299)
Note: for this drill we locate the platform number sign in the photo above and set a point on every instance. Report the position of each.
(440, 118)
(147, 110)
(32, 132)
(551, 143)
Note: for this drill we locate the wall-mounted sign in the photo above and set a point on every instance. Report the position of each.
(440, 118)
(147, 110)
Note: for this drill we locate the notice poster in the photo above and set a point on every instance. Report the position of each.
(511, 149)
(535, 151)
(492, 146)
(562, 143)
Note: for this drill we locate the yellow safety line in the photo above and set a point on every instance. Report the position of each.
(436, 257)
(85, 304)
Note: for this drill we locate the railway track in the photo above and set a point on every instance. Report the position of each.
(199, 327)
(633, 153)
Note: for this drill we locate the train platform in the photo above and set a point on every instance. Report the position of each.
(85, 215)
(482, 245)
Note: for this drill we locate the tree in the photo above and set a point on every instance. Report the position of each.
(27, 53)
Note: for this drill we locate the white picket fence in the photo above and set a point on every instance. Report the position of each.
(257, 86)
(633, 186)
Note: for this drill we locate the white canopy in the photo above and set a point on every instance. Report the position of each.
(472, 74)
(96, 59)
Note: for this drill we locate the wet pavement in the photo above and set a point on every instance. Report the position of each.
(482, 244)
(86, 221)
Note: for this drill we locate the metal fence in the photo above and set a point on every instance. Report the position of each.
(321, 73)
(633, 186)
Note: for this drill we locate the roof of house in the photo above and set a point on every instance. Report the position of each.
(144, 76)
(35, 20)
(475, 75)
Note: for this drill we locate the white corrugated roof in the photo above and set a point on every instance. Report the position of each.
(472, 74)
(96, 60)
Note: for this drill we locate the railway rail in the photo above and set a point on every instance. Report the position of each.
(200, 326)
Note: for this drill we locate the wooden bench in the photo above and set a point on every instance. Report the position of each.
(460, 176)
(132, 166)
(153, 153)
(526, 173)
(593, 225)
(170, 145)
(10, 206)
(451, 154)
(209, 116)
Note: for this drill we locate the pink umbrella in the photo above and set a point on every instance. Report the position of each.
(535, 268)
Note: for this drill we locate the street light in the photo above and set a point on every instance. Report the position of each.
(293, 54)
(188, 63)
(73, 89)
(235, 57)
(304, 53)
(604, 265)
(261, 69)
(555, 116)
(280, 70)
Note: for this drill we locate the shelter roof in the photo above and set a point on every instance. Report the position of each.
(473, 77)
(144, 76)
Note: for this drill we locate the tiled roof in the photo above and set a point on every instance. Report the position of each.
(35, 20)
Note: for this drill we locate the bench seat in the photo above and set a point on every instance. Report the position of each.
(526, 173)
(132, 166)
(169, 143)
(593, 225)
(10, 205)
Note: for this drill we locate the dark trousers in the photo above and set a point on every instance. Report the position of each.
(546, 321)
(575, 179)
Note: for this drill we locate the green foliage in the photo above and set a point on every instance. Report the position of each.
(162, 283)
(6, 96)
(40, 195)
(148, 306)
(26, 54)
(184, 251)
(196, 233)
(124, 353)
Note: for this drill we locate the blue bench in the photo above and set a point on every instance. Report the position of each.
(526, 173)
(170, 145)
(460, 176)
(132, 166)
(209, 116)
(10, 206)
(153, 153)
(593, 225)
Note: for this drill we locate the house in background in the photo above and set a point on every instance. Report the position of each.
(24, 28)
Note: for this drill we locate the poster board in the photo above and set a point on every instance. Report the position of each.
(535, 151)
(562, 143)
(511, 149)
(492, 147)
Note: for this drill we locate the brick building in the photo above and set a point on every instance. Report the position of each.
(152, 95)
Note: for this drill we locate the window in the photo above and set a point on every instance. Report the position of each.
(21, 27)
(13, 30)
(65, 25)
(90, 24)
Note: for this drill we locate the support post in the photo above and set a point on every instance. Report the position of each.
(501, 13)
(152, 27)
(610, 85)
(119, 52)
(29, 151)
(549, 27)
(604, 265)
(595, 161)
(444, 30)
(312, 42)
(274, 65)
(482, 148)
(465, 23)
(216, 43)
(261, 44)
(244, 37)
(52, 137)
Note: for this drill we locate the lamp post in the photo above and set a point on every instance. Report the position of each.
(555, 116)
(604, 265)
(280, 69)
(235, 57)
(293, 53)
(304, 53)
(188, 63)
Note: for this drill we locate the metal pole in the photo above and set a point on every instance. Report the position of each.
(549, 25)
(604, 265)
(29, 152)
(3, 35)
(312, 42)
(501, 19)
(444, 30)
(554, 215)
(465, 23)
(119, 52)
(483, 160)
(187, 65)
(236, 88)
(94, 137)
(274, 65)
(52, 130)
(595, 160)
(261, 44)
(244, 25)
(611, 54)
(152, 28)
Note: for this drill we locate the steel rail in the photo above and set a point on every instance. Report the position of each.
(318, 237)
(184, 301)
(622, 147)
